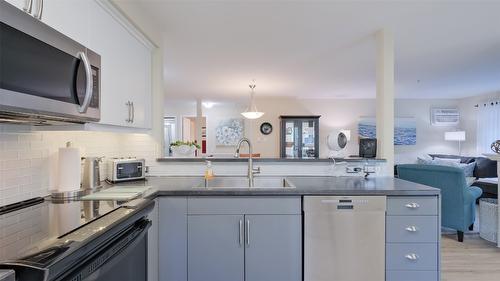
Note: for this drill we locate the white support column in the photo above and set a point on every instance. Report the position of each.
(385, 96)
(496, 157)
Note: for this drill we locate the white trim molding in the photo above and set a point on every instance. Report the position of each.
(120, 17)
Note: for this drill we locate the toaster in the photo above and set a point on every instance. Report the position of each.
(126, 169)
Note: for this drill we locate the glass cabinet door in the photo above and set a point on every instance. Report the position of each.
(299, 136)
(291, 139)
(308, 144)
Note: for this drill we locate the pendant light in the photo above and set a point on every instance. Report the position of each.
(252, 112)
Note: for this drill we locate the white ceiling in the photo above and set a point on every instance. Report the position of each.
(326, 49)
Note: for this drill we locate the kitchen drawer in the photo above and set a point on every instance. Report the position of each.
(244, 205)
(412, 256)
(412, 276)
(412, 229)
(413, 206)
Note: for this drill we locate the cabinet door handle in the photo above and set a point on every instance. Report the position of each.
(412, 206)
(133, 112)
(128, 120)
(28, 6)
(240, 233)
(411, 228)
(38, 14)
(247, 233)
(412, 257)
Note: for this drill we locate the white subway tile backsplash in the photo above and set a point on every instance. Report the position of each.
(9, 155)
(28, 160)
(4, 137)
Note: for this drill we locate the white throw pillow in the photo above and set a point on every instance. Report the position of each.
(451, 160)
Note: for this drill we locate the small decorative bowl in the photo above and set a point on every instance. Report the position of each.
(495, 147)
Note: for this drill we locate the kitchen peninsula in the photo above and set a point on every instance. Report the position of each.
(191, 214)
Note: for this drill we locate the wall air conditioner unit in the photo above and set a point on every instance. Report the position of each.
(445, 117)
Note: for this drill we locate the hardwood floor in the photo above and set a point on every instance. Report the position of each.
(473, 260)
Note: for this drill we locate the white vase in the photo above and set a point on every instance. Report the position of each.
(183, 151)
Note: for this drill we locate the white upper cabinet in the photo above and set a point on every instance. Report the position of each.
(125, 71)
(70, 17)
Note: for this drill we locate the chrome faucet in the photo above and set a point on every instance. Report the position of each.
(251, 170)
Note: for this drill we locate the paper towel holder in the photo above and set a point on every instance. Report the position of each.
(65, 195)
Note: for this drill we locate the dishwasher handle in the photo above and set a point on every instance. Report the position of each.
(328, 204)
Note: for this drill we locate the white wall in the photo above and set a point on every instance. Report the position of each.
(430, 139)
(468, 119)
(335, 114)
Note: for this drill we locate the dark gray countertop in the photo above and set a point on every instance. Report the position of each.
(186, 186)
(71, 211)
(287, 160)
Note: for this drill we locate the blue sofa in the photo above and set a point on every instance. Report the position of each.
(458, 201)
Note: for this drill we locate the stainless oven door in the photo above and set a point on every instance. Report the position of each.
(43, 72)
(125, 259)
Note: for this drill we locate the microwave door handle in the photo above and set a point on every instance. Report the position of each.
(88, 89)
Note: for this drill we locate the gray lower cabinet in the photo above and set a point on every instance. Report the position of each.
(172, 236)
(244, 247)
(230, 238)
(244, 239)
(273, 248)
(411, 276)
(153, 246)
(412, 238)
(215, 248)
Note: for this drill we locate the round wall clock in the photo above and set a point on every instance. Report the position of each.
(266, 128)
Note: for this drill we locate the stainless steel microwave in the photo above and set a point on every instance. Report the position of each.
(45, 77)
(126, 169)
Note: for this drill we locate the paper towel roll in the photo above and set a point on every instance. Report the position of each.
(69, 169)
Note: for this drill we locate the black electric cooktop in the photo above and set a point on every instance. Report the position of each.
(33, 225)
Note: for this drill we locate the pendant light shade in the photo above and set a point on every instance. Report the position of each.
(252, 112)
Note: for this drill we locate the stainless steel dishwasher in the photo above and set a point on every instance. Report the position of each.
(344, 238)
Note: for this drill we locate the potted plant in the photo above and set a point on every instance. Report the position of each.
(184, 148)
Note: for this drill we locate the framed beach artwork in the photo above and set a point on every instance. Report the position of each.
(229, 131)
(405, 129)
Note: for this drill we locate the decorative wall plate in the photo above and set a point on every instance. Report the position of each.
(266, 128)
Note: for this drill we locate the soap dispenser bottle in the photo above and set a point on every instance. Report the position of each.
(209, 173)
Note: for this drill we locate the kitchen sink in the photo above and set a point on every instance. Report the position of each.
(242, 182)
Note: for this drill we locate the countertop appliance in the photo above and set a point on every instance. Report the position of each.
(344, 238)
(126, 169)
(91, 173)
(47, 78)
(80, 240)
